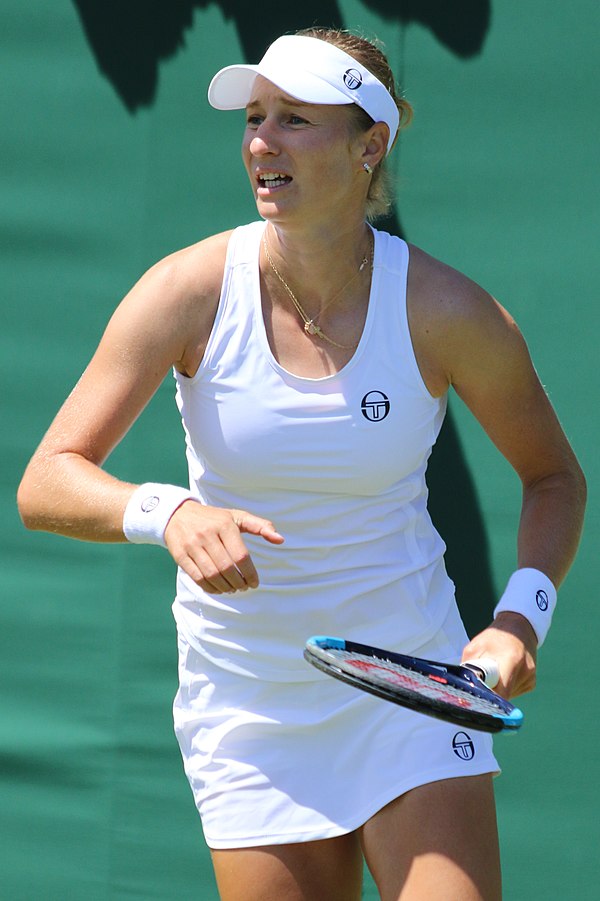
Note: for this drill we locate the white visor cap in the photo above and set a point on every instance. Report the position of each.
(310, 70)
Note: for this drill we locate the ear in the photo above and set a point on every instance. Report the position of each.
(376, 142)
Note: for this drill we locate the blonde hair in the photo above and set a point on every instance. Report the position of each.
(379, 198)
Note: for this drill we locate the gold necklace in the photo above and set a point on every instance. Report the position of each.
(310, 326)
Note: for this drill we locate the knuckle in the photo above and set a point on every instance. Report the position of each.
(242, 559)
(210, 571)
(208, 588)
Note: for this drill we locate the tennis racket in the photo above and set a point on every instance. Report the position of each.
(457, 694)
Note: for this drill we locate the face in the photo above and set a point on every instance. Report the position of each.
(302, 159)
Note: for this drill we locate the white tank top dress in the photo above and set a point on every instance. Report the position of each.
(338, 465)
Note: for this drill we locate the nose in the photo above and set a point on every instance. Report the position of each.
(263, 140)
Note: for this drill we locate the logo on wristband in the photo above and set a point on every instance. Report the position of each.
(541, 599)
(150, 503)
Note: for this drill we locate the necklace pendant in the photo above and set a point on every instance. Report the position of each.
(311, 329)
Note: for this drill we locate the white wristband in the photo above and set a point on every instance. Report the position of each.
(532, 594)
(149, 509)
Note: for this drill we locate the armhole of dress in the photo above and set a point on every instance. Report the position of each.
(220, 313)
(405, 321)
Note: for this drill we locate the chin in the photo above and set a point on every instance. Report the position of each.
(269, 210)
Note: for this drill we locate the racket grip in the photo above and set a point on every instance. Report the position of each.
(487, 670)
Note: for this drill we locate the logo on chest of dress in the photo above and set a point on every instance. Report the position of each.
(375, 406)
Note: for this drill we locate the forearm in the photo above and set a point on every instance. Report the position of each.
(69, 495)
(549, 531)
(551, 522)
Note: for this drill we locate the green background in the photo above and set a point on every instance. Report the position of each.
(110, 160)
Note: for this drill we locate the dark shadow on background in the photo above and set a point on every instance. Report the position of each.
(130, 39)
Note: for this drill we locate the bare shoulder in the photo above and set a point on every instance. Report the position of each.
(465, 339)
(197, 269)
(455, 323)
(174, 303)
(163, 321)
(189, 278)
(441, 294)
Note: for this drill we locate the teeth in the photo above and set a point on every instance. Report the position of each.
(273, 179)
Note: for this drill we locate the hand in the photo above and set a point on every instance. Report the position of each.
(206, 543)
(511, 641)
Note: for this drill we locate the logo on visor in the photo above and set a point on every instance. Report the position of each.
(352, 79)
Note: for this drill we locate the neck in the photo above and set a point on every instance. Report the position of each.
(318, 264)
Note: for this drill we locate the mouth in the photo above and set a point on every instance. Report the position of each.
(270, 180)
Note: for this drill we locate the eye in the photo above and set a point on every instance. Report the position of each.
(254, 120)
(297, 120)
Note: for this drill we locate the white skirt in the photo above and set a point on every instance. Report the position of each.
(276, 763)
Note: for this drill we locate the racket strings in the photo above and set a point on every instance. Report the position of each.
(385, 673)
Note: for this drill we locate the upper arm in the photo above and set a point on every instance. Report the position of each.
(492, 372)
(466, 339)
(162, 322)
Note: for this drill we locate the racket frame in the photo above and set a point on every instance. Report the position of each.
(508, 718)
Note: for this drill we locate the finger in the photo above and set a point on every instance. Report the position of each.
(242, 521)
(256, 525)
(215, 555)
(245, 574)
(220, 570)
(523, 683)
(214, 579)
(488, 667)
(210, 545)
(191, 569)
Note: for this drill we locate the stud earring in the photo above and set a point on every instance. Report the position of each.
(368, 169)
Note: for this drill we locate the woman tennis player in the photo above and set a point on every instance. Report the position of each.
(313, 356)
